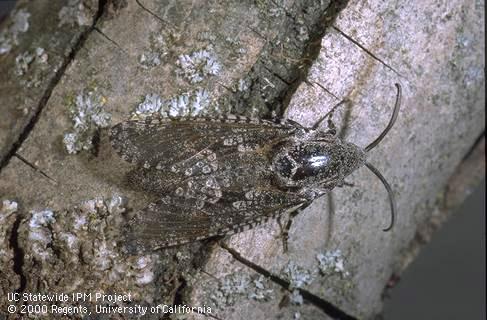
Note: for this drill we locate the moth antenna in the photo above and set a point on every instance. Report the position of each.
(392, 201)
(391, 122)
(318, 123)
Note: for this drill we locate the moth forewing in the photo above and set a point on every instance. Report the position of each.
(211, 178)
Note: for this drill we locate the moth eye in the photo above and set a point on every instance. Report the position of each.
(285, 166)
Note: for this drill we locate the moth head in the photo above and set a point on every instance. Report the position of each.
(316, 163)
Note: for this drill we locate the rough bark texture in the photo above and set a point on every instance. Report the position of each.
(62, 186)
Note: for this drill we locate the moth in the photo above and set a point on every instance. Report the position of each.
(218, 176)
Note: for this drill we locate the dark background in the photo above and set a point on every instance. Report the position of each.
(5, 7)
(447, 280)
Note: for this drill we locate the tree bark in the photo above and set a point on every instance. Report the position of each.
(63, 186)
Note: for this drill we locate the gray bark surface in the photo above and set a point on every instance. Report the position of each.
(62, 187)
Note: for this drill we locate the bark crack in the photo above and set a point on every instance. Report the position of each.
(18, 254)
(179, 298)
(109, 39)
(474, 146)
(164, 22)
(50, 87)
(370, 53)
(33, 166)
(312, 48)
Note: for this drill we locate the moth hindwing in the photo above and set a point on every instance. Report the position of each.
(216, 176)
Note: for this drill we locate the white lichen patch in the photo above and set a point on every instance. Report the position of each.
(92, 206)
(233, 44)
(75, 12)
(192, 103)
(197, 66)
(39, 234)
(234, 47)
(150, 59)
(330, 266)
(93, 221)
(297, 276)
(88, 115)
(41, 218)
(29, 67)
(80, 222)
(276, 12)
(9, 36)
(200, 101)
(116, 204)
(260, 291)
(152, 104)
(238, 285)
(155, 54)
(206, 36)
(70, 239)
(104, 255)
(243, 85)
(8, 207)
(90, 212)
(182, 256)
(88, 237)
(302, 30)
(145, 270)
(296, 297)
(332, 262)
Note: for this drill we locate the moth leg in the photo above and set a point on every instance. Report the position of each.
(294, 123)
(329, 183)
(331, 215)
(284, 235)
(345, 121)
(346, 184)
(329, 116)
(285, 230)
(332, 129)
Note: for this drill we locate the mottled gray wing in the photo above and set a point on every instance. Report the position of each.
(178, 220)
(160, 142)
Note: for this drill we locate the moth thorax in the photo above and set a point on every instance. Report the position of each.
(316, 163)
